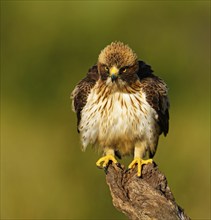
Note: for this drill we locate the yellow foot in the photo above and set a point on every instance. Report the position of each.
(139, 162)
(105, 161)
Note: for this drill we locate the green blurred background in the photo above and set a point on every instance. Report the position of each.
(46, 48)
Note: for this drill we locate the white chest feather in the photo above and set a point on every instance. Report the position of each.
(117, 120)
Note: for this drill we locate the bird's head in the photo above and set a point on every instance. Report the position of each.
(117, 63)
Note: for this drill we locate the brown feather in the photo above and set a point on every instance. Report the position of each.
(156, 94)
(82, 90)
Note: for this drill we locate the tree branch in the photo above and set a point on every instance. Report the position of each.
(148, 197)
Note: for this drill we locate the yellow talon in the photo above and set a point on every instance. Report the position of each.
(105, 161)
(139, 162)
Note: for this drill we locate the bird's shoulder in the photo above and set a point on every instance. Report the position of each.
(156, 92)
(81, 91)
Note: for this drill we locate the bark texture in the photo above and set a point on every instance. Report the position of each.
(148, 197)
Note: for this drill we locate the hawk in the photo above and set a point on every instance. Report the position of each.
(121, 107)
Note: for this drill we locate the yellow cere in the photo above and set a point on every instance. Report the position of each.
(114, 70)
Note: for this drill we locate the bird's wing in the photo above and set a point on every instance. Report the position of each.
(82, 90)
(156, 95)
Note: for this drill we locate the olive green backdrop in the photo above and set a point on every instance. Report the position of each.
(46, 48)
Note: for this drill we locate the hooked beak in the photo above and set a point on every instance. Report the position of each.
(114, 73)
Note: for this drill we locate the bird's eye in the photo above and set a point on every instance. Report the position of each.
(124, 70)
(106, 68)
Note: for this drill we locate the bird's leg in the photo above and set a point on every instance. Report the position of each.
(104, 161)
(139, 153)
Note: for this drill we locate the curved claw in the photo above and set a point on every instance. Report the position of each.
(139, 163)
(103, 162)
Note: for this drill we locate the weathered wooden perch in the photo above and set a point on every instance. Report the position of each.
(148, 197)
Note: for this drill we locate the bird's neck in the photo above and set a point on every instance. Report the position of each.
(118, 86)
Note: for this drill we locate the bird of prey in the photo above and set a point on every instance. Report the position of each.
(121, 107)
